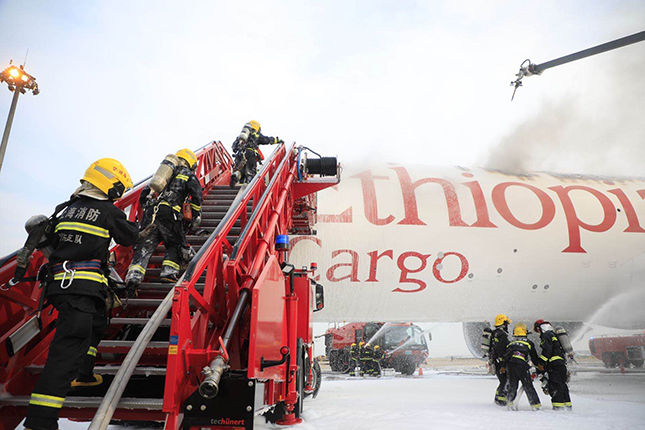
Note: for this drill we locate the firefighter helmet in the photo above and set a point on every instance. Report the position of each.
(109, 176)
(188, 156)
(254, 125)
(520, 329)
(376, 347)
(537, 324)
(354, 344)
(361, 343)
(502, 319)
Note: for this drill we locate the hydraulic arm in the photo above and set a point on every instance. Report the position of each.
(527, 68)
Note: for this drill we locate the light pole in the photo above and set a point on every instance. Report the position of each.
(19, 82)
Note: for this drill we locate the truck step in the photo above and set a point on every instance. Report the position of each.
(105, 344)
(137, 321)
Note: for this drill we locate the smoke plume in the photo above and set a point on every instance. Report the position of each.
(601, 132)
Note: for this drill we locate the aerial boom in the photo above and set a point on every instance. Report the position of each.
(537, 69)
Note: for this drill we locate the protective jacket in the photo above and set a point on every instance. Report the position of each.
(183, 184)
(82, 239)
(520, 350)
(499, 342)
(552, 351)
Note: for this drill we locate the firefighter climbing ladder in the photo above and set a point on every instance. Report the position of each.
(194, 354)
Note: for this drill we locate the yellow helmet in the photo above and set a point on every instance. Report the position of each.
(502, 319)
(109, 176)
(520, 329)
(361, 343)
(353, 344)
(187, 155)
(254, 125)
(376, 347)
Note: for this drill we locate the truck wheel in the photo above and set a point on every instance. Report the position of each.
(637, 363)
(333, 360)
(300, 379)
(408, 368)
(317, 372)
(608, 360)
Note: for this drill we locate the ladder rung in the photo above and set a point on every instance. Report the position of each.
(91, 402)
(137, 321)
(129, 343)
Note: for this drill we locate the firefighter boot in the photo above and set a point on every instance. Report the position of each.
(169, 272)
(92, 381)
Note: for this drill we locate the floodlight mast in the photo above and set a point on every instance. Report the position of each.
(529, 69)
(18, 81)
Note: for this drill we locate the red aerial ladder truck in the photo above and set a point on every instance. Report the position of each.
(232, 339)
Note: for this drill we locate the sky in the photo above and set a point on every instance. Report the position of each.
(404, 81)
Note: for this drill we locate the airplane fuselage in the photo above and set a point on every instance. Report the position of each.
(419, 243)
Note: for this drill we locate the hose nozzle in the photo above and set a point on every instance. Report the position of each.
(210, 385)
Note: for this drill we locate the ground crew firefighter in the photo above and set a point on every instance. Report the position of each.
(376, 361)
(80, 232)
(516, 359)
(362, 358)
(553, 359)
(367, 360)
(499, 342)
(246, 152)
(162, 221)
(353, 359)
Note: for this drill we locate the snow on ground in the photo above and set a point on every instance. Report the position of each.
(444, 401)
(456, 398)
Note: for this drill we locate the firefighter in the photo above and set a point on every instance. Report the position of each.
(363, 358)
(80, 232)
(376, 361)
(499, 342)
(162, 221)
(367, 360)
(553, 360)
(246, 151)
(353, 359)
(516, 359)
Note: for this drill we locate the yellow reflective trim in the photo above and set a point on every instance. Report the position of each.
(520, 357)
(44, 403)
(557, 404)
(554, 338)
(555, 357)
(522, 342)
(567, 403)
(92, 351)
(138, 268)
(542, 357)
(177, 208)
(83, 228)
(82, 274)
(196, 207)
(48, 397)
(184, 177)
(171, 264)
(45, 400)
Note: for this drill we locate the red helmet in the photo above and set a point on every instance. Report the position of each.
(537, 324)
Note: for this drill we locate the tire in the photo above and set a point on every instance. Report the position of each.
(408, 367)
(318, 378)
(637, 363)
(608, 360)
(333, 360)
(300, 379)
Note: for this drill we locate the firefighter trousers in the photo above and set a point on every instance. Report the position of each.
(80, 324)
(519, 372)
(500, 392)
(167, 229)
(558, 388)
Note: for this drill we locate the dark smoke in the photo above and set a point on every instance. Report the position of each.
(600, 132)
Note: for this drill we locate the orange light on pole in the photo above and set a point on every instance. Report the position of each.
(18, 81)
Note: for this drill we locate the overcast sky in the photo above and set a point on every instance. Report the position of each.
(405, 81)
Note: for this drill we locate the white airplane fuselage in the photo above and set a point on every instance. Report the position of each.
(419, 243)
